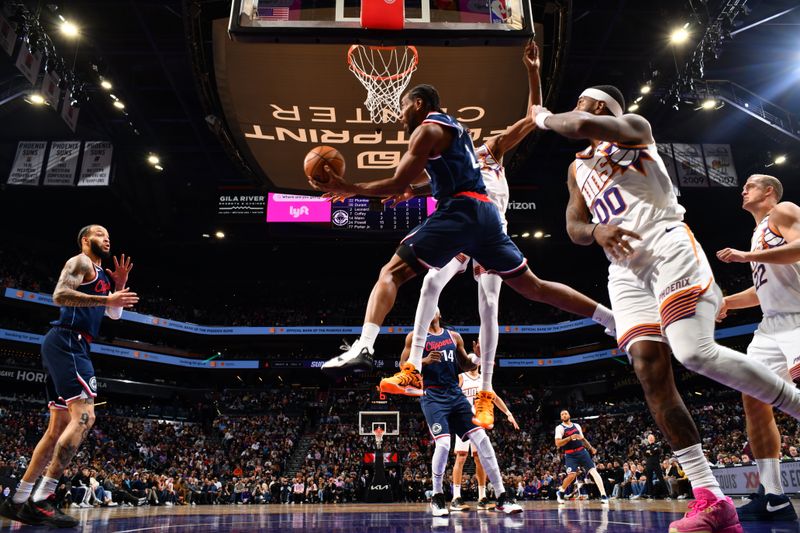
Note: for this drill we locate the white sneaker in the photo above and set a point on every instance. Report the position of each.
(356, 358)
(112, 504)
(84, 505)
(74, 505)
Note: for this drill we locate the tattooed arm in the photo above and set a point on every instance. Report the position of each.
(74, 273)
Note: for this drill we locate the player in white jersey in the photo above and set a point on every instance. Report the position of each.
(660, 283)
(470, 383)
(490, 155)
(774, 259)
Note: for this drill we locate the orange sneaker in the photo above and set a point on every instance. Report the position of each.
(407, 382)
(484, 409)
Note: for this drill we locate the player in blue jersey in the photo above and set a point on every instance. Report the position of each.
(84, 295)
(570, 438)
(465, 221)
(447, 411)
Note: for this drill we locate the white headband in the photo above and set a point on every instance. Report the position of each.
(606, 98)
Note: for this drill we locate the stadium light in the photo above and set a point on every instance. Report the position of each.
(538, 234)
(35, 99)
(219, 235)
(69, 29)
(633, 107)
(781, 159)
(645, 89)
(638, 100)
(526, 235)
(710, 104)
(680, 35)
(153, 159)
(119, 105)
(158, 167)
(105, 84)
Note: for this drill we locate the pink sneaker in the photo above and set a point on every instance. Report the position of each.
(707, 514)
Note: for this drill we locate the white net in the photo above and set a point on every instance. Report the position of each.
(385, 72)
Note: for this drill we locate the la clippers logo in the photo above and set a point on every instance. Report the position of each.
(437, 345)
(436, 429)
(93, 383)
(297, 212)
(102, 286)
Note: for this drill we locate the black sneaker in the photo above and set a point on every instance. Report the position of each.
(46, 512)
(507, 504)
(458, 505)
(439, 505)
(356, 358)
(10, 510)
(767, 508)
(485, 505)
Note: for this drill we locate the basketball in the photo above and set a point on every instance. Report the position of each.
(318, 157)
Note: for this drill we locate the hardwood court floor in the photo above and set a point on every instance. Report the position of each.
(575, 517)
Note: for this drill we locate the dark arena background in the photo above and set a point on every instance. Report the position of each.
(181, 128)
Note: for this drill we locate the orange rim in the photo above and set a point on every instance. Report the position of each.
(360, 72)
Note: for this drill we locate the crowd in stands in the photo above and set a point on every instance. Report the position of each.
(308, 450)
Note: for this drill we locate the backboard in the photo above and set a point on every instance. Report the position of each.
(389, 421)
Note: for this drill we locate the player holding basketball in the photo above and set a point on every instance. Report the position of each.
(661, 288)
(490, 155)
(83, 294)
(569, 436)
(774, 258)
(446, 409)
(470, 383)
(465, 221)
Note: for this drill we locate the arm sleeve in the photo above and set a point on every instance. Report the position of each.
(559, 431)
(114, 313)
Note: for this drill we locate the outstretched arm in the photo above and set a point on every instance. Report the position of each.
(506, 411)
(630, 128)
(740, 300)
(786, 219)
(499, 144)
(412, 164)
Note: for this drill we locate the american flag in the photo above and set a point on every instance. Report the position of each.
(273, 13)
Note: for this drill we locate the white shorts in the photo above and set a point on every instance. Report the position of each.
(776, 343)
(660, 284)
(464, 446)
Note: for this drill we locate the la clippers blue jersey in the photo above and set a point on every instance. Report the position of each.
(86, 319)
(444, 374)
(456, 169)
(568, 432)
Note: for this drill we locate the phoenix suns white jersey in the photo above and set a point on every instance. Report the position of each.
(494, 177)
(626, 186)
(777, 286)
(470, 386)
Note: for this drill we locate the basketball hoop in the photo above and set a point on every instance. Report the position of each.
(385, 72)
(378, 432)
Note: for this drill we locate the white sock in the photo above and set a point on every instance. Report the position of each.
(488, 459)
(439, 463)
(23, 492)
(698, 471)
(603, 315)
(456, 491)
(489, 286)
(369, 332)
(46, 488)
(432, 286)
(598, 481)
(769, 471)
(481, 492)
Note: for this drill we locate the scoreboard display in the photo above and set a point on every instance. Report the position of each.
(369, 214)
(352, 214)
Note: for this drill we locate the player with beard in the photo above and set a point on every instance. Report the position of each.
(465, 221)
(83, 293)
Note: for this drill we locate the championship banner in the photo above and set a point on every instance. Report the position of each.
(96, 168)
(29, 63)
(719, 162)
(69, 112)
(50, 89)
(691, 165)
(62, 163)
(8, 37)
(28, 163)
(734, 480)
(667, 155)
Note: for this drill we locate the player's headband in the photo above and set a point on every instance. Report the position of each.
(606, 98)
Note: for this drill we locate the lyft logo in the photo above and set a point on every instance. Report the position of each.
(297, 212)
